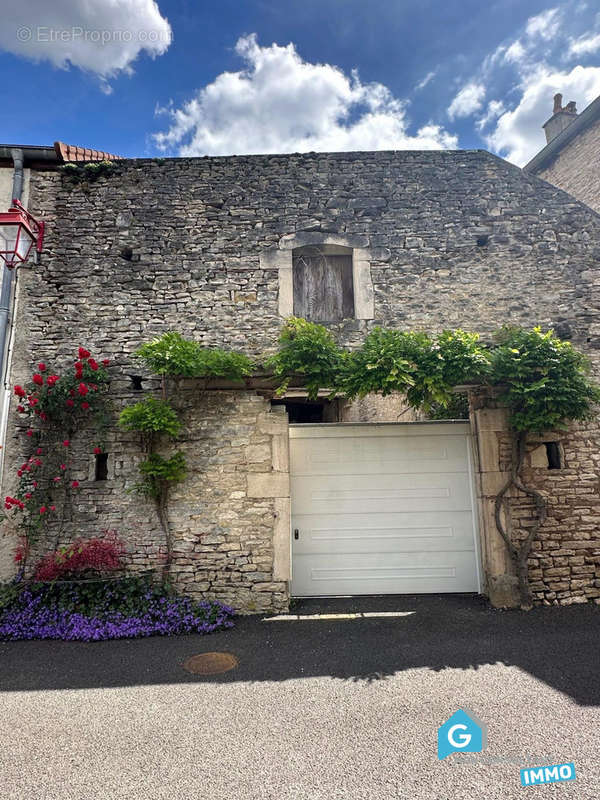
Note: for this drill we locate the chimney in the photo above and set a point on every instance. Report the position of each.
(561, 118)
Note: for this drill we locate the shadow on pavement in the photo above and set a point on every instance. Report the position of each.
(559, 646)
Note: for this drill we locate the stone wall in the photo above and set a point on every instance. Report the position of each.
(565, 556)
(229, 518)
(453, 239)
(576, 169)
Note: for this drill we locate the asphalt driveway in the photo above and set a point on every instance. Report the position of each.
(319, 708)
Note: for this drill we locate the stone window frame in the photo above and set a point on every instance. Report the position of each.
(281, 259)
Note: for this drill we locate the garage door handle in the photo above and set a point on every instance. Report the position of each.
(296, 533)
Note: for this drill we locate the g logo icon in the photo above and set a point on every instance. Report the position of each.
(464, 740)
(462, 733)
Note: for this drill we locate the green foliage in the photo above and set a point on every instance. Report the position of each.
(309, 350)
(158, 471)
(88, 172)
(385, 363)
(175, 356)
(412, 363)
(150, 416)
(544, 380)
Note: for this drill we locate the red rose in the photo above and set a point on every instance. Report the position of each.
(83, 353)
(63, 466)
(74, 484)
(57, 479)
(29, 433)
(43, 416)
(39, 451)
(97, 451)
(37, 378)
(106, 362)
(85, 406)
(35, 484)
(19, 391)
(82, 389)
(93, 364)
(28, 496)
(52, 508)
(20, 473)
(70, 402)
(66, 442)
(43, 510)
(51, 379)
(20, 409)
(33, 401)
(42, 367)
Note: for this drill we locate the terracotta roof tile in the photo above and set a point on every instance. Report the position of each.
(70, 152)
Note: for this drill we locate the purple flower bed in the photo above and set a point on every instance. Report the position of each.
(93, 612)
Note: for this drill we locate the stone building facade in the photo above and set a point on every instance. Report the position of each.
(206, 246)
(570, 159)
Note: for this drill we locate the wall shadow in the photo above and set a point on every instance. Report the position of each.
(559, 646)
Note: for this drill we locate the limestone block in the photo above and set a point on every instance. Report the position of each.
(503, 591)
(268, 484)
(258, 453)
(282, 540)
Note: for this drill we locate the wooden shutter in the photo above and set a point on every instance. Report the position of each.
(323, 288)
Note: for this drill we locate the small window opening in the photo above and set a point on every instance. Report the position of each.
(136, 383)
(101, 472)
(553, 453)
(300, 410)
(127, 253)
(483, 241)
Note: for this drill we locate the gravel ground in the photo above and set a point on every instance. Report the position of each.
(318, 709)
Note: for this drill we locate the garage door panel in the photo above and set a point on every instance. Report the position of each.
(360, 493)
(393, 454)
(399, 573)
(383, 533)
(382, 509)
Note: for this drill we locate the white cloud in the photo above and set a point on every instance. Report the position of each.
(427, 79)
(279, 104)
(467, 101)
(544, 25)
(518, 134)
(494, 109)
(584, 45)
(100, 36)
(515, 53)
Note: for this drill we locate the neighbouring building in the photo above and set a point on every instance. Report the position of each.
(571, 157)
(280, 498)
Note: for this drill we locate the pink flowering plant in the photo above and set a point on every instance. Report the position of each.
(57, 403)
(82, 558)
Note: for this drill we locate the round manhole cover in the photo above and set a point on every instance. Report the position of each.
(210, 663)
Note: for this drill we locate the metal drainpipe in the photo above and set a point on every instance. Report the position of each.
(5, 303)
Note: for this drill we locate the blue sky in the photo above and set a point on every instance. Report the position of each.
(185, 77)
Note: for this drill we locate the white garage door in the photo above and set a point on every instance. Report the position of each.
(382, 509)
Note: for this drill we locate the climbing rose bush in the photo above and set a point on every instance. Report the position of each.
(129, 608)
(58, 403)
